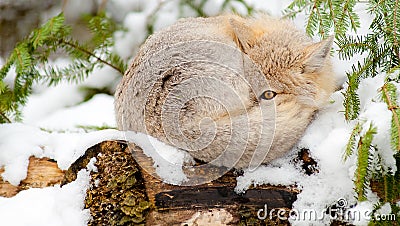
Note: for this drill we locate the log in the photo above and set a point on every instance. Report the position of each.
(123, 193)
(42, 172)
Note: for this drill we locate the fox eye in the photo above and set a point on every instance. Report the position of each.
(268, 95)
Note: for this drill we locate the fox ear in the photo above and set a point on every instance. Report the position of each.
(316, 54)
(245, 37)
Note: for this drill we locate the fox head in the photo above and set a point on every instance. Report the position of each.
(299, 72)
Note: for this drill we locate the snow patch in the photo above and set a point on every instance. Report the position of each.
(99, 110)
(168, 160)
(22, 141)
(48, 206)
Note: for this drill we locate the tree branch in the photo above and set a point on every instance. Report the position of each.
(92, 55)
(394, 31)
(5, 117)
(392, 108)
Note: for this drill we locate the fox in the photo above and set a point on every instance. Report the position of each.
(232, 91)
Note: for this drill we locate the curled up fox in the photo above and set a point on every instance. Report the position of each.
(229, 90)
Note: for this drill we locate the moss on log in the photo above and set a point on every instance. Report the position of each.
(117, 194)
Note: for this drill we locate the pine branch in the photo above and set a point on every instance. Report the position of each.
(332, 12)
(394, 109)
(351, 101)
(351, 144)
(381, 51)
(376, 5)
(361, 172)
(394, 30)
(32, 53)
(347, 9)
(91, 54)
(314, 18)
(6, 67)
(300, 5)
(5, 118)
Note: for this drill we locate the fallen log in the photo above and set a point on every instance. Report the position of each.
(42, 172)
(123, 193)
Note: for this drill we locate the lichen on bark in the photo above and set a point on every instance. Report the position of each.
(117, 195)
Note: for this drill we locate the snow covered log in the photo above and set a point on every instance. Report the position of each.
(121, 193)
(42, 172)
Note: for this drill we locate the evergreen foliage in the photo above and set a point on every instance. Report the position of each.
(389, 96)
(361, 144)
(381, 46)
(351, 145)
(326, 16)
(30, 58)
(361, 173)
(380, 51)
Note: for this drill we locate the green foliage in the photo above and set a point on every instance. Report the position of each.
(361, 173)
(361, 145)
(351, 100)
(379, 48)
(30, 58)
(389, 188)
(351, 144)
(325, 16)
(381, 45)
(389, 96)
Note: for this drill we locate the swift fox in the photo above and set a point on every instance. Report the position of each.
(227, 89)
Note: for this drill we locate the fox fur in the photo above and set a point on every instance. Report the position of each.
(296, 69)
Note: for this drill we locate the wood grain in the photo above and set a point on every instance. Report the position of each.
(42, 172)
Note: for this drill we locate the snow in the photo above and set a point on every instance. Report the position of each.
(379, 116)
(213, 8)
(363, 213)
(53, 116)
(167, 16)
(75, 9)
(90, 166)
(102, 77)
(20, 141)
(168, 160)
(269, 175)
(99, 110)
(13, 153)
(135, 22)
(55, 99)
(55, 206)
